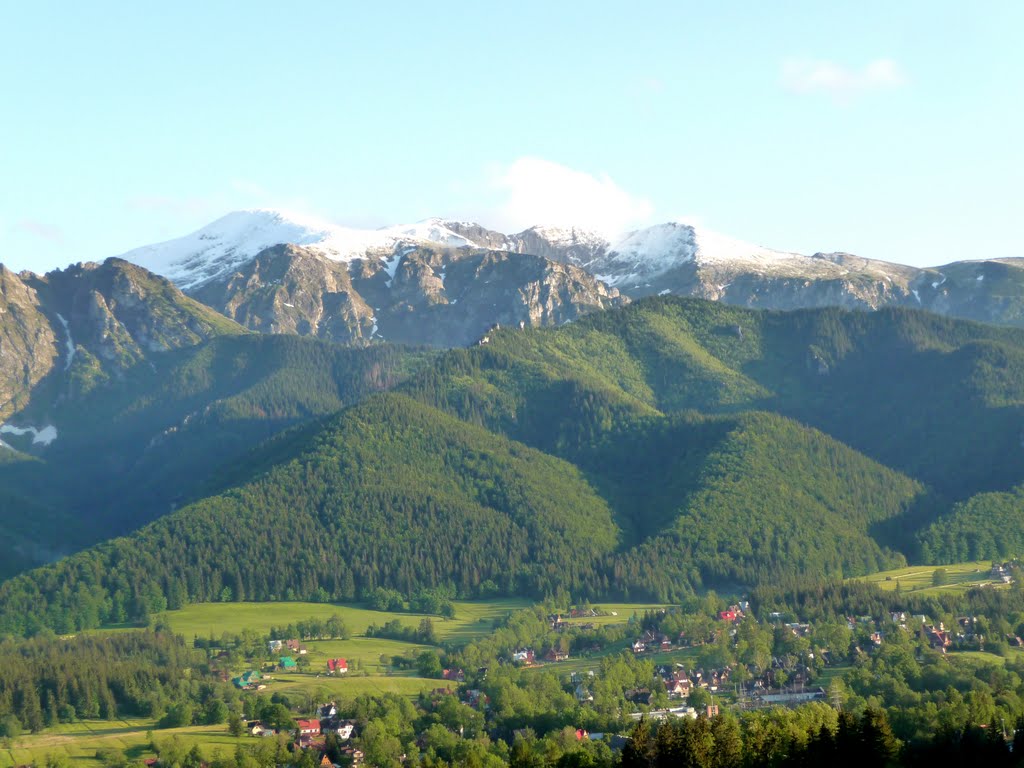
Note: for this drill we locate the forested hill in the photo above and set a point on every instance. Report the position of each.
(936, 398)
(173, 429)
(649, 452)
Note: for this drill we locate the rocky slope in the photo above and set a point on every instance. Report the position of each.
(28, 341)
(421, 294)
(217, 264)
(64, 332)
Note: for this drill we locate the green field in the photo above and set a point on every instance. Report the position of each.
(326, 688)
(472, 619)
(918, 578)
(616, 613)
(78, 742)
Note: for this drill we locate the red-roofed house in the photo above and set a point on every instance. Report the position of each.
(307, 727)
(337, 666)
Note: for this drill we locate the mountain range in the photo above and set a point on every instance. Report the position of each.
(249, 377)
(651, 451)
(673, 257)
(438, 283)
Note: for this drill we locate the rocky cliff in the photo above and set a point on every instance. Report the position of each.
(64, 332)
(432, 295)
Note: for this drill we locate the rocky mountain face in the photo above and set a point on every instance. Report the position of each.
(442, 283)
(680, 259)
(62, 333)
(28, 341)
(420, 294)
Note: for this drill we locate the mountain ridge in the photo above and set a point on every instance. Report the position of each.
(672, 257)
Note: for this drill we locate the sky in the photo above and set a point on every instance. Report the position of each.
(889, 130)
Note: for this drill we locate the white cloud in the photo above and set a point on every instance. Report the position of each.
(538, 191)
(839, 82)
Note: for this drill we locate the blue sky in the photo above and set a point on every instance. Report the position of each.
(890, 130)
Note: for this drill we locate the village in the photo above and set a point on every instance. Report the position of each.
(699, 665)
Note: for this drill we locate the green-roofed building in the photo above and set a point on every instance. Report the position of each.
(251, 677)
(287, 662)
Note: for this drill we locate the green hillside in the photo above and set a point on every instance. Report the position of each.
(645, 453)
(935, 398)
(175, 428)
(395, 493)
(987, 526)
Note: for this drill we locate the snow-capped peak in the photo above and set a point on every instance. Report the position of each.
(430, 230)
(235, 239)
(568, 236)
(652, 251)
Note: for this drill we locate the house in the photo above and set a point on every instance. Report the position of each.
(337, 666)
(275, 645)
(525, 656)
(328, 711)
(355, 755)
(680, 685)
(583, 696)
(638, 646)
(732, 614)
(307, 727)
(287, 663)
(296, 646)
(310, 741)
(455, 675)
(638, 696)
(939, 639)
(256, 728)
(555, 655)
(247, 680)
(343, 730)
(477, 699)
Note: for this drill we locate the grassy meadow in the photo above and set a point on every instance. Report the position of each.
(919, 578)
(77, 743)
(472, 619)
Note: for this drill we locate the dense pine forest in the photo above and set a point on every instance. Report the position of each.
(653, 452)
(46, 681)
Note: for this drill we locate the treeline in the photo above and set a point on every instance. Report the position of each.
(987, 526)
(396, 630)
(828, 600)
(815, 736)
(46, 680)
(313, 628)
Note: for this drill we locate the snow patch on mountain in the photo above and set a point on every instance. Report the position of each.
(647, 253)
(233, 240)
(43, 436)
(69, 342)
(629, 262)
